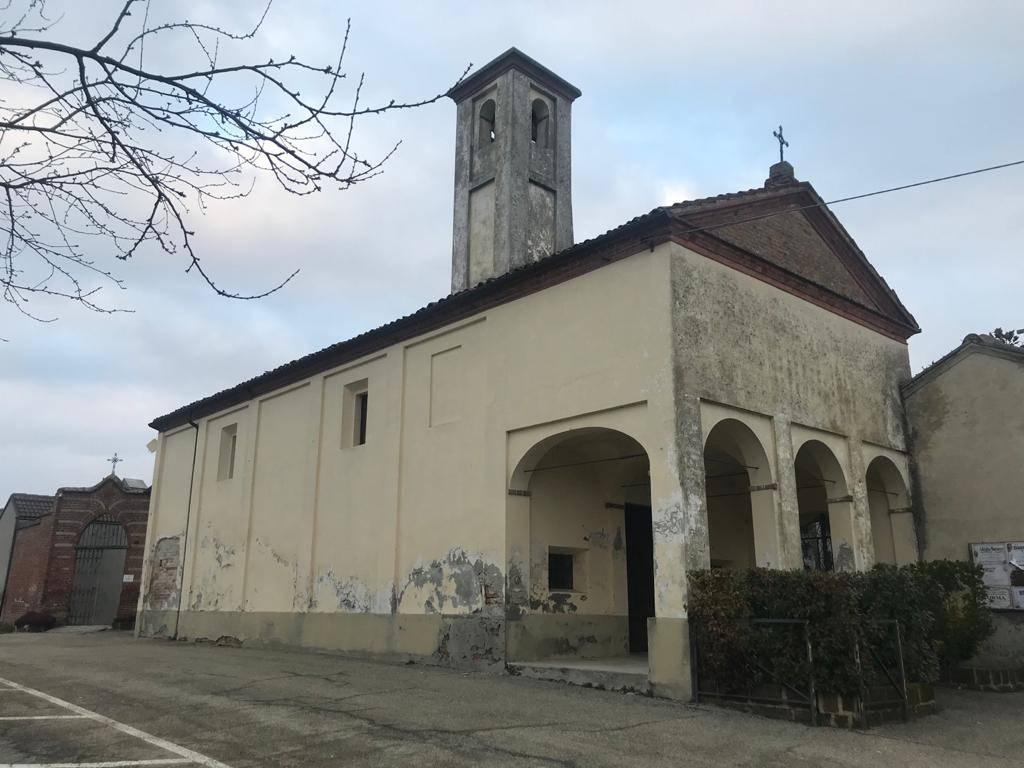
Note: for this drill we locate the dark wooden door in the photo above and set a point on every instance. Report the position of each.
(639, 574)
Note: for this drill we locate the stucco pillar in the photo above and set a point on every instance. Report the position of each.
(680, 530)
(863, 543)
(790, 554)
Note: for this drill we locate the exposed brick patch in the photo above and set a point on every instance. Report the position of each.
(163, 579)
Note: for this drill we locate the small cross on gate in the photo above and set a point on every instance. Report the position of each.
(782, 142)
(114, 461)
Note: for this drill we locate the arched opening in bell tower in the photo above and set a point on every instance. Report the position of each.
(486, 133)
(540, 123)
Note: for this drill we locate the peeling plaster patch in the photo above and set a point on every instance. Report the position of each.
(598, 538)
(473, 641)
(458, 583)
(300, 598)
(211, 593)
(843, 557)
(517, 590)
(619, 544)
(348, 594)
(223, 554)
(555, 602)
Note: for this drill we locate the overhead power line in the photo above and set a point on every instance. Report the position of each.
(877, 192)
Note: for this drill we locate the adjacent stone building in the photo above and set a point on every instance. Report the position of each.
(528, 468)
(966, 419)
(77, 556)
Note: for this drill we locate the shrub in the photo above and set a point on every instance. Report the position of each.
(940, 608)
(34, 621)
(956, 598)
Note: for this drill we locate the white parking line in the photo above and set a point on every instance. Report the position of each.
(108, 764)
(43, 717)
(186, 755)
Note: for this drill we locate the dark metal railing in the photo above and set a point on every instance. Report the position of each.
(878, 656)
(801, 691)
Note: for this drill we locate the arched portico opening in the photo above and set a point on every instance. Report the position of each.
(742, 517)
(826, 509)
(892, 524)
(581, 562)
(99, 571)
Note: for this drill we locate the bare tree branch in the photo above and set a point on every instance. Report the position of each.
(104, 154)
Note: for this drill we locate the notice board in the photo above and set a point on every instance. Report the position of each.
(1003, 564)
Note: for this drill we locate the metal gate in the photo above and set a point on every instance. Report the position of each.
(816, 544)
(99, 571)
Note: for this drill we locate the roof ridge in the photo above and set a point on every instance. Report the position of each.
(982, 340)
(497, 289)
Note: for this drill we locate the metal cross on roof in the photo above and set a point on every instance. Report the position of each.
(114, 461)
(782, 142)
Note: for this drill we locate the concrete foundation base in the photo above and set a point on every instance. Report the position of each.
(591, 652)
(551, 635)
(625, 673)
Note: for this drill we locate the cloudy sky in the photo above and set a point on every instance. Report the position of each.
(679, 101)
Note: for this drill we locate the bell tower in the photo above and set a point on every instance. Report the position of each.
(513, 196)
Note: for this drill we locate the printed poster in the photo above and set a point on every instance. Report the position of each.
(1002, 565)
(999, 598)
(1017, 595)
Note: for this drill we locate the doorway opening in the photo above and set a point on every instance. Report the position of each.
(740, 495)
(639, 573)
(581, 553)
(99, 571)
(826, 510)
(892, 521)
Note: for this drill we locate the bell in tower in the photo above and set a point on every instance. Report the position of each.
(513, 196)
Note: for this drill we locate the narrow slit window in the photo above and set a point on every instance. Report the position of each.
(228, 449)
(359, 433)
(560, 571)
(355, 412)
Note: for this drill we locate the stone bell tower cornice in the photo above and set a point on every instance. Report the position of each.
(514, 58)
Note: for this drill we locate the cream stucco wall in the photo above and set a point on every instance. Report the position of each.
(742, 344)
(413, 522)
(967, 426)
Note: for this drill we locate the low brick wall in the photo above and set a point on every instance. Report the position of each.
(986, 679)
(832, 710)
(883, 707)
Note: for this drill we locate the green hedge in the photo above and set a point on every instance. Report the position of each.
(957, 600)
(940, 608)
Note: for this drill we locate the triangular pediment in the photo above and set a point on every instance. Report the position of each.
(789, 232)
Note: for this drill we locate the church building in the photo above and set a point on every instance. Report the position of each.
(523, 473)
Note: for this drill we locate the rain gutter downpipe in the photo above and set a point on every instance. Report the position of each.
(188, 516)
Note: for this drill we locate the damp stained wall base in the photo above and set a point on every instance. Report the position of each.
(465, 642)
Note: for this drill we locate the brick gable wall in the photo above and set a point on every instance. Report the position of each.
(42, 575)
(26, 579)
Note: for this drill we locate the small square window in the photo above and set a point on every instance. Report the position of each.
(228, 447)
(560, 571)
